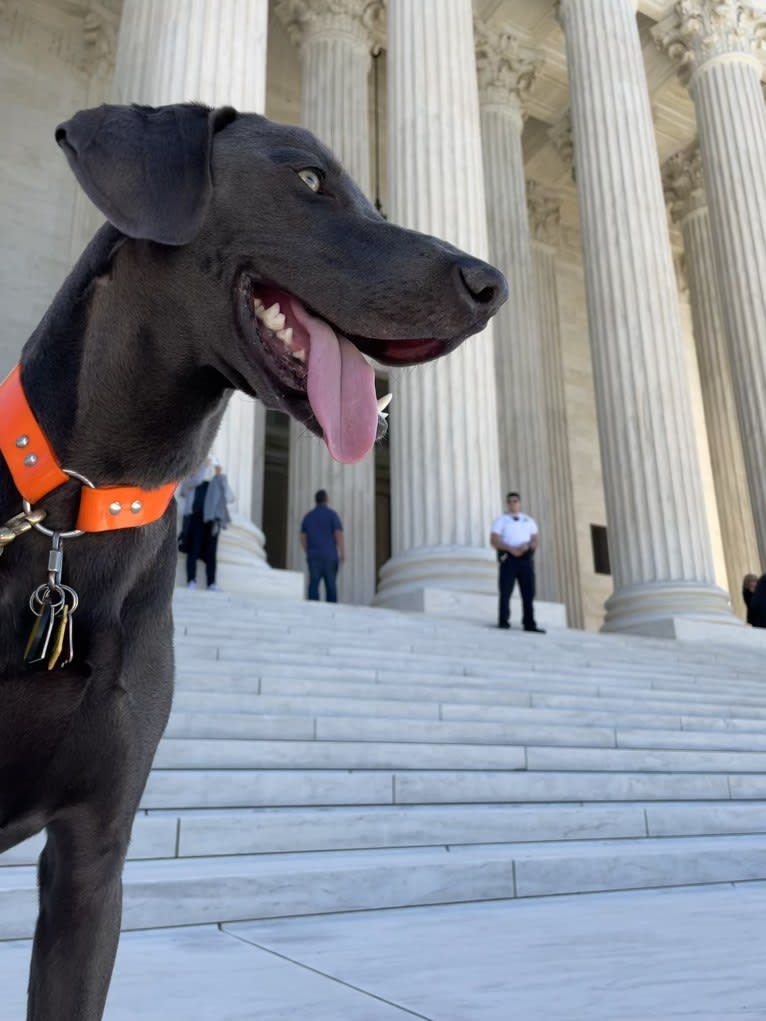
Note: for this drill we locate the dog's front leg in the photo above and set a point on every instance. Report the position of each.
(80, 878)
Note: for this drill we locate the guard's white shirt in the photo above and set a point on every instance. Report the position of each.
(514, 529)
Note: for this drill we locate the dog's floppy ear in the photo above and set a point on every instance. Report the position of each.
(146, 168)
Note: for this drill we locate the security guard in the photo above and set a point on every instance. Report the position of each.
(515, 536)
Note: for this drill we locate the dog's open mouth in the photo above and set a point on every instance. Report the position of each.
(310, 363)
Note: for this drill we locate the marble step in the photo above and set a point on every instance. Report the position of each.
(354, 728)
(224, 889)
(286, 698)
(266, 676)
(197, 833)
(417, 635)
(251, 788)
(303, 717)
(246, 660)
(239, 725)
(209, 753)
(386, 653)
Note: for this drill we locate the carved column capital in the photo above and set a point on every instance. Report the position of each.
(683, 182)
(506, 69)
(362, 23)
(701, 31)
(544, 209)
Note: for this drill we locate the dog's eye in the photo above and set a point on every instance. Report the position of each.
(311, 179)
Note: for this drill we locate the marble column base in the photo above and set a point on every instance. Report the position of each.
(242, 565)
(458, 582)
(672, 610)
(466, 568)
(473, 607)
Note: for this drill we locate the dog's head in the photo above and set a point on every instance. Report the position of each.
(261, 220)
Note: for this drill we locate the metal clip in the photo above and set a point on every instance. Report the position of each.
(55, 561)
(19, 524)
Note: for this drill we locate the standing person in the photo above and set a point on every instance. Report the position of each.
(205, 495)
(756, 605)
(322, 542)
(748, 587)
(515, 537)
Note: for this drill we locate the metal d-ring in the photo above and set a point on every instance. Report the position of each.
(50, 531)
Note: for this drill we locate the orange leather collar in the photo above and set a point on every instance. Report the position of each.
(36, 471)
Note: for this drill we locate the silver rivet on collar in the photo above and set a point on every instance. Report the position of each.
(30, 460)
(22, 441)
(136, 506)
(115, 508)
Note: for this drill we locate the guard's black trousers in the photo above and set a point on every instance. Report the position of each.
(522, 569)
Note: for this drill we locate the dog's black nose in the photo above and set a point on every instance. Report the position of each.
(486, 285)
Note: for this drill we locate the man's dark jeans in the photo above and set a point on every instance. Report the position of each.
(323, 568)
(523, 569)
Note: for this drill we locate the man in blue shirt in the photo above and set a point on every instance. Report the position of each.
(322, 541)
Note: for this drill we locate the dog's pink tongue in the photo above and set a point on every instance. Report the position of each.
(341, 389)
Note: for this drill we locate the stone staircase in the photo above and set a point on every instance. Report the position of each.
(324, 759)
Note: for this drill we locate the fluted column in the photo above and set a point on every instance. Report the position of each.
(715, 44)
(682, 175)
(99, 29)
(660, 551)
(175, 51)
(181, 51)
(544, 221)
(445, 478)
(506, 71)
(334, 40)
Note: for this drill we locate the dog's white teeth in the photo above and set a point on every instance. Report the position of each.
(300, 355)
(383, 403)
(286, 336)
(383, 414)
(257, 305)
(273, 318)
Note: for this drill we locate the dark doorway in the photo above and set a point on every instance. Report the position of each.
(276, 476)
(600, 544)
(275, 487)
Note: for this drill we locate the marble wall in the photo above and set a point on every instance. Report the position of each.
(43, 80)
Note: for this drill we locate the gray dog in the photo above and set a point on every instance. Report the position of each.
(237, 255)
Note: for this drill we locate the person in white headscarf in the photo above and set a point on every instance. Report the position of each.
(204, 496)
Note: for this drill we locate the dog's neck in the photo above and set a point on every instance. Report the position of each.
(118, 405)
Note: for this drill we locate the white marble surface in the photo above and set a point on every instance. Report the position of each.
(689, 954)
(620, 957)
(202, 974)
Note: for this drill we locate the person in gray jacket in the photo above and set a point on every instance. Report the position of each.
(205, 495)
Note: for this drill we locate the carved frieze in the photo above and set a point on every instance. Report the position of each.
(683, 182)
(562, 140)
(99, 30)
(544, 209)
(83, 42)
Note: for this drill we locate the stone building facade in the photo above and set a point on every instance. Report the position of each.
(606, 154)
